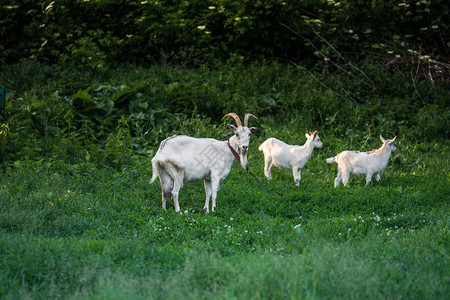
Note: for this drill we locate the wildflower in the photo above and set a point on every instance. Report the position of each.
(201, 27)
(231, 219)
(212, 7)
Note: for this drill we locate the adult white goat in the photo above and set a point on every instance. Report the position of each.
(284, 156)
(362, 163)
(183, 158)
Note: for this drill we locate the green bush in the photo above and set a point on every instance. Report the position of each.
(327, 34)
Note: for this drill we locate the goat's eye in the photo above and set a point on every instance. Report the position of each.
(237, 135)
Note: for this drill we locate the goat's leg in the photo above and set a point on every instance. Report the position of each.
(177, 177)
(177, 184)
(208, 195)
(377, 177)
(368, 178)
(338, 179)
(268, 166)
(297, 175)
(345, 176)
(175, 193)
(214, 188)
(166, 187)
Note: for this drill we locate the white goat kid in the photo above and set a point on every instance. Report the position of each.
(362, 163)
(284, 156)
(183, 159)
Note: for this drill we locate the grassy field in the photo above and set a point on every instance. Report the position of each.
(102, 234)
(79, 219)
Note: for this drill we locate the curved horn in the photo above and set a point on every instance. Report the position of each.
(247, 116)
(235, 117)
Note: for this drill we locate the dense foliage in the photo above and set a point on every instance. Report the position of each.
(61, 116)
(104, 32)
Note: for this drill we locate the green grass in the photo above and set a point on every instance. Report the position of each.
(79, 219)
(103, 234)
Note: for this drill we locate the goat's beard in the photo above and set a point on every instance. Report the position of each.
(243, 157)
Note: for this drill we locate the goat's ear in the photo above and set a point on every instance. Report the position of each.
(307, 135)
(382, 139)
(253, 129)
(232, 127)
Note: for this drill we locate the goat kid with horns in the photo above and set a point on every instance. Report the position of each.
(183, 159)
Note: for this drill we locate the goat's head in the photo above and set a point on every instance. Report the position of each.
(315, 139)
(241, 135)
(389, 143)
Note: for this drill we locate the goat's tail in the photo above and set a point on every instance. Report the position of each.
(331, 160)
(261, 147)
(155, 170)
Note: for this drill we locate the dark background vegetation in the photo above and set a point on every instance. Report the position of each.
(119, 76)
(105, 32)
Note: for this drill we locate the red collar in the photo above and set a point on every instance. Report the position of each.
(236, 155)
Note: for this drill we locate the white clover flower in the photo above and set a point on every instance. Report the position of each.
(297, 226)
